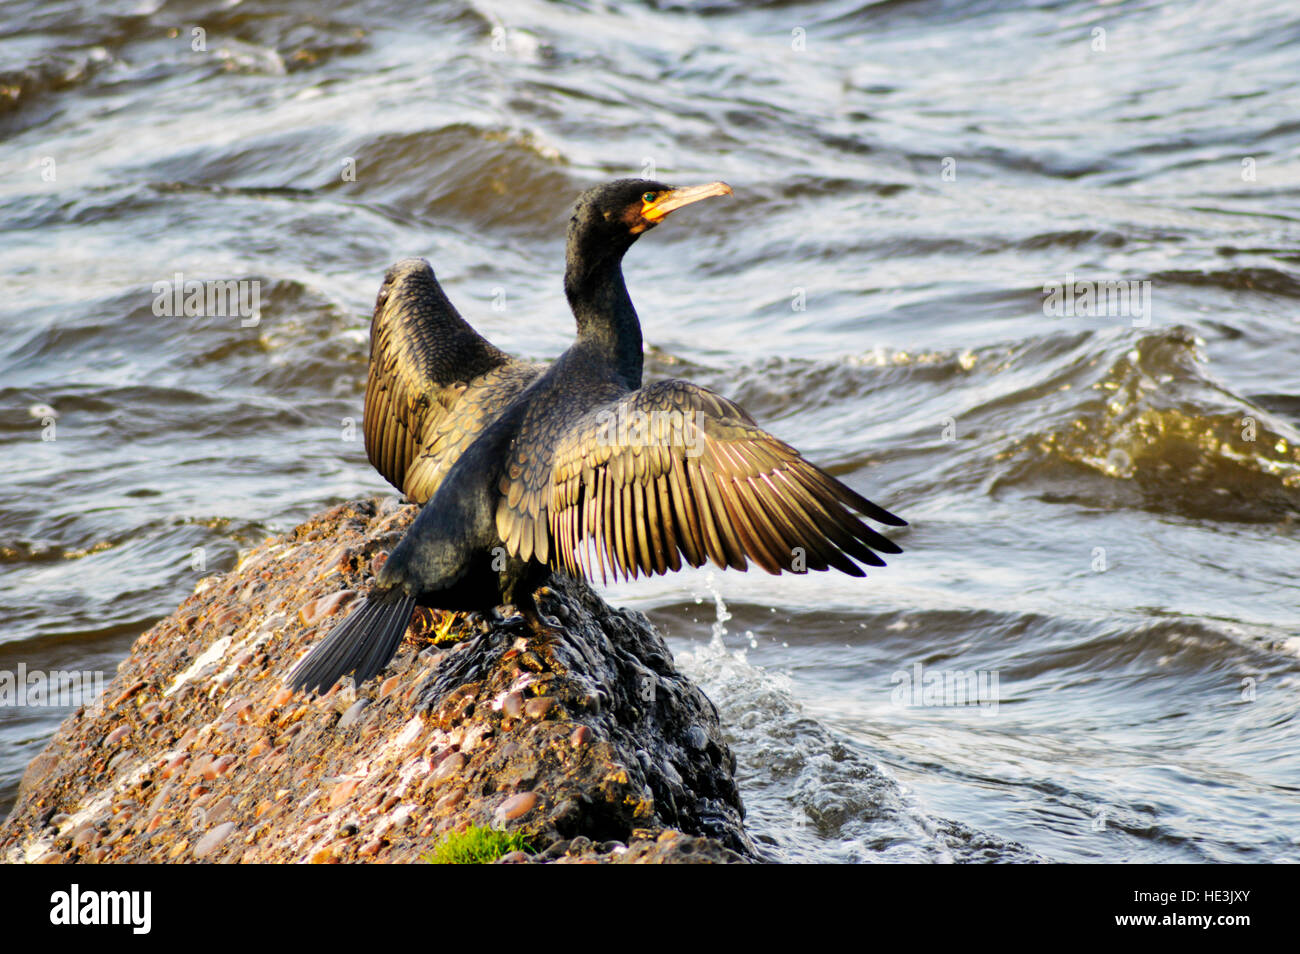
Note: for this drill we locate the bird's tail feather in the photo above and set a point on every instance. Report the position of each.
(361, 645)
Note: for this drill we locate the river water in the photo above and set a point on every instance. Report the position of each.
(1026, 274)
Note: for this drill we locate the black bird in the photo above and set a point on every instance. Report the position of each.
(525, 470)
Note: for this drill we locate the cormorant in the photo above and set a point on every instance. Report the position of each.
(525, 470)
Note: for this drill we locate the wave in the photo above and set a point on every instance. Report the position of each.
(1147, 417)
(1270, 281)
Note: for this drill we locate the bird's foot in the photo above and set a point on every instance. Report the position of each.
(550, 607)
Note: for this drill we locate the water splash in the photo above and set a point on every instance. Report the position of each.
(723, 615)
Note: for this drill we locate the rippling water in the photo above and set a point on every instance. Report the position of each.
(1104, 503)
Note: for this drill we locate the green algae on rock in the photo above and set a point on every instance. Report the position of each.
(477, 845)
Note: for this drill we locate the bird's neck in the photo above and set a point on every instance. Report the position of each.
(607, 322)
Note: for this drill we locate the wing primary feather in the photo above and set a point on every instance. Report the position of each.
(691, 537)
(735, 552)
(818, 555)
(629, 525)
(839, 524)
(663, 490)
(700, 496)
(738, 508)
(616, 512)
(830, 489)
(640, 531)
(604, 528)
(571, 536)
(656, 543)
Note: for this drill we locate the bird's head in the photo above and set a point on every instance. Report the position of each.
(414, 274)
(610, 217)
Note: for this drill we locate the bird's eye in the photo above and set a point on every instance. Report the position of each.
(649, 197)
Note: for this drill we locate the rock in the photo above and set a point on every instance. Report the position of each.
(545, 731)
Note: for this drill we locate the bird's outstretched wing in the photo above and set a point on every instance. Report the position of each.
(423, 403)
(672, 473)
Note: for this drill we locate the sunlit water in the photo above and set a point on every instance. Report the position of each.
(1103, 501)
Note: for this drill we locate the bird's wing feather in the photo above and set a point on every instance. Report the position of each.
(674, 473)
(423, 355)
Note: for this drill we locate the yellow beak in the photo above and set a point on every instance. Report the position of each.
(667, 202)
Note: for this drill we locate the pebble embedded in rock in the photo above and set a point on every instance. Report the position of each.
(161, 798)
(241, 711)
(449, 766)
(353, 713)
(512, 705)
(174, 764)
(213, 839)
(448, 801)
(127, 693)
(220, 809)
(343, 791)
(516, 806)
(200, 767)
(538, 708)
(324, 606)
(225, 617)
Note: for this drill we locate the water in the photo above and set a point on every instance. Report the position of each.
(1104, 505)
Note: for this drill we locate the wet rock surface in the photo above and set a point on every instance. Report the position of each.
(582, 735)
